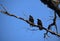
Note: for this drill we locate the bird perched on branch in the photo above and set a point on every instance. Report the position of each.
(31, 19)
(39, 23)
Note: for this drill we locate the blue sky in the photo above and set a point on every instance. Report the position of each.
(12, 29)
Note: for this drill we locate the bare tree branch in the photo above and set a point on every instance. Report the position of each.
(52, 24)
(29, 22)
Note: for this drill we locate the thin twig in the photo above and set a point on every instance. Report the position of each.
(52, 24)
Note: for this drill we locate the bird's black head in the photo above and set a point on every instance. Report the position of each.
(30, 16)
(38, 19)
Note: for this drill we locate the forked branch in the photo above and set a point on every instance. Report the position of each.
(27, 21)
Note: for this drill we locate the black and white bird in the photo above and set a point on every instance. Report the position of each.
(39, 23)
(31, 19)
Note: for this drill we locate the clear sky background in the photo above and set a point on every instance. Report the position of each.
(12, 29)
